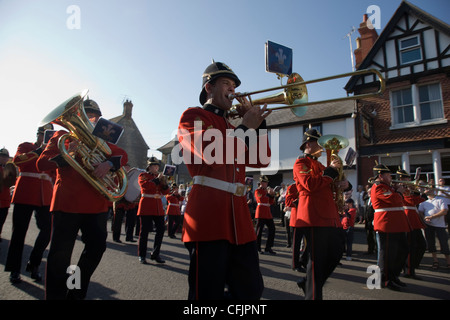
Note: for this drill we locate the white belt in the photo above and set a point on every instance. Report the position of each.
(410, 208)
(174, 204)
(390, 209)
(38, 175)
(237, 189)
(154, 196)
(264, 204)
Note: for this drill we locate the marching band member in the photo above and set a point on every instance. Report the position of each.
(416, 240)
(76, 205)
(174, 200)
(153, 187)
(32, 192)
(265, 197)
(317, 215)
(291, 202)
(217, 229)
(7, 179)
(391, 225)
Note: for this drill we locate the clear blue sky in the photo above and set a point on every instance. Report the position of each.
(154, 53)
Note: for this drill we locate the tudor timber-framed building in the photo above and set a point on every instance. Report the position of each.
(408, 126)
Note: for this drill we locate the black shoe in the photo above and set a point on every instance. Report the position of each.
(301, 283)
(392, 286)
(398, 282)
(15, 278)
(118, 241)
(142, 260)
(35, 275)
(270, 251)
(158, 259)
(130, 240)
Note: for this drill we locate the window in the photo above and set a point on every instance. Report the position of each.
(410, 50)
(417, 105)
(430, 102)
(403, 106)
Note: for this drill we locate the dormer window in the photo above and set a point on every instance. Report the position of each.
(410, 50)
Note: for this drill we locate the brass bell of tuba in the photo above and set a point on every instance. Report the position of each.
(332, 144)
(91, 149)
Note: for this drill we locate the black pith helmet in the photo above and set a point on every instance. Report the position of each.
(380, 168)
(91, 106)
(310, 135)
(214, 71)
(402, 174)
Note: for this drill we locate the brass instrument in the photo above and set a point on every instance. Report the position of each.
(332, 144)
(91, 150)
(415, 186)
(295, 94)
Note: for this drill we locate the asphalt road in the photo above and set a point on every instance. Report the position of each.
(120, 276)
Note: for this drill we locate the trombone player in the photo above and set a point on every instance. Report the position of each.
(317, 214)
(76, 205)
(416, 241)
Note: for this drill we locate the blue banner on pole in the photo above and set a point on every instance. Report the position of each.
(278, 58)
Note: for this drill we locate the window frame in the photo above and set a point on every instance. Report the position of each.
(402, 50)
(416, 104)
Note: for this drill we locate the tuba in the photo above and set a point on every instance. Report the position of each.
(332, 144)
(91, 150)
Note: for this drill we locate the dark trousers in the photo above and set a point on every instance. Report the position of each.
(173, 224)
(289, 231)
(259, 231)
(297, 259)
(117, 220)
(417, 247)
(217, 264)
(3, 215)
(21, 219)
(146, 226)
(392, 254)
(324, 248)
(130, 223)
(64, 234)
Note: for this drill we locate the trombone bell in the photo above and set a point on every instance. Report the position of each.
(294, 93)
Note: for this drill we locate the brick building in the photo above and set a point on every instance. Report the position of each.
(408, 126)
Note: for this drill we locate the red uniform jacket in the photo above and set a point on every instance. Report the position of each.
(33, 186)
(72, 192)
(5, 195)
(348, 219)
(173, 204)
(316, 207)
(410, 201)
(291, 201)
(213, 214)
(389, 215)
(264, 201)
(150, 203)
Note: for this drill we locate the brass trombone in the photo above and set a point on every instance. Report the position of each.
(415, 185)
(295, 94)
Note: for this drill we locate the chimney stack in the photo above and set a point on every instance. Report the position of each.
(366, 41)
(127, 109)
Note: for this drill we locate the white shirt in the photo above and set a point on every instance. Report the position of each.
(431, 207)
(445, 199)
